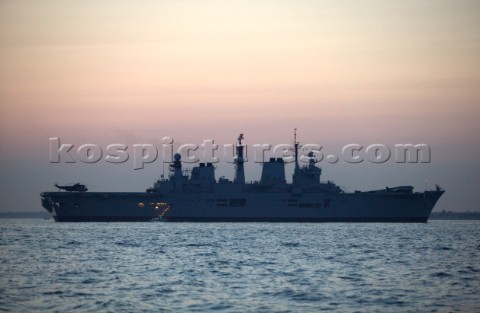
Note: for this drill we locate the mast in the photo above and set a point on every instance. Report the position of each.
(296, 173)
(296, 148)
(239, 171)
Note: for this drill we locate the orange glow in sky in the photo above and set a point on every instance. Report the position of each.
(340, 71)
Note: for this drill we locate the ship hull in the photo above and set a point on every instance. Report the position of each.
(86, 218)
(235, 206)
(101, 206)
(314, 207)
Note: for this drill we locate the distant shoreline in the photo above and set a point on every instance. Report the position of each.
(449, 215)
(443, 215)
(33, 214)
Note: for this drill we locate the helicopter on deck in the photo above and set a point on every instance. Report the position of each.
(75, 187)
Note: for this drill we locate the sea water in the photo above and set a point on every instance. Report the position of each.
(239, 267)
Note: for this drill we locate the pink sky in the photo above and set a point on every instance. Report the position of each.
(341, 71)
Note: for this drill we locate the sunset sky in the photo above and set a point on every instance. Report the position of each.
(342, 72)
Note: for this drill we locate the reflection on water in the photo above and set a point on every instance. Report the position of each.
(245, 267)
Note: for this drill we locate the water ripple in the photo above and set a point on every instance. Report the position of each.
(251, 267)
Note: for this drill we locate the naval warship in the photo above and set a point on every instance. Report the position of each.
(198, 197)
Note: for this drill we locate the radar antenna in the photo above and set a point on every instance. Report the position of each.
(240, 138)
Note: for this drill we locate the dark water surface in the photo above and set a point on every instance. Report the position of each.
(229, 267)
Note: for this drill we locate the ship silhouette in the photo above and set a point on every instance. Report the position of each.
(199, 197)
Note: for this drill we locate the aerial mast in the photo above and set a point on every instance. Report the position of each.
(239, 171)
(295, 142)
